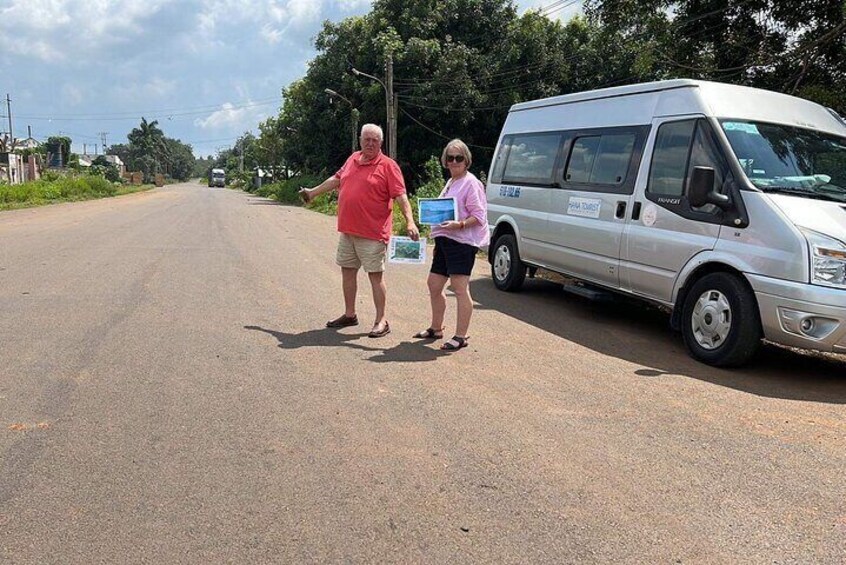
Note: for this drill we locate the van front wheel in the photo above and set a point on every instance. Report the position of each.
(721, 324)
(507, 270)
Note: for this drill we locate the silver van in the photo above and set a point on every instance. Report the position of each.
(724, 203)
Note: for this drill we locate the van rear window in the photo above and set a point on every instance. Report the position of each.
(531, 158)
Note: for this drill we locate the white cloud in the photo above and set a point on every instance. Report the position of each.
(150, 90)
(349, 5)
(271, 18)
(61, 29)
(271, 35)
(232, 118)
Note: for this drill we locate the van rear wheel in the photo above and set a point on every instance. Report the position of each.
(720, 321)
(507, 270)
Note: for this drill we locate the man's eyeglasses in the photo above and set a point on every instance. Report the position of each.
(456, 158)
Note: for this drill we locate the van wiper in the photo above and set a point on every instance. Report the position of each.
(796, 191)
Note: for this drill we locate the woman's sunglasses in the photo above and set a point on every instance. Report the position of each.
(456, 158)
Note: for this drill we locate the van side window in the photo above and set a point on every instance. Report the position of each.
(600, 159)
(669, 158)
(531, 158)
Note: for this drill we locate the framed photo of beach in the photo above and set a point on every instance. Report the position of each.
(406, 250)
(434, 211)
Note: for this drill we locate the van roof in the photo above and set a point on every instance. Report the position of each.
(694, 96)
(611, 92)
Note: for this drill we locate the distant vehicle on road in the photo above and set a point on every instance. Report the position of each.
(724, 203)
(217, 177)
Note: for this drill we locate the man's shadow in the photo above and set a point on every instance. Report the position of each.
(405, 352)
(322, 337)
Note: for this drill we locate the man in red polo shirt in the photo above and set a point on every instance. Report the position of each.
(367, 186)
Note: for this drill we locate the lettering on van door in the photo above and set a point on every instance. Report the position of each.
(509, 191)
(584, 207)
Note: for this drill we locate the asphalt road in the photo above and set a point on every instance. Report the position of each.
(168, 394)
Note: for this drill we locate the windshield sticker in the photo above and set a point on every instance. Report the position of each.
(584, 207)
(650, 214)
(741, 126)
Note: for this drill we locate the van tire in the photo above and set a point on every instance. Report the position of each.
(507, 270)
(720, 322)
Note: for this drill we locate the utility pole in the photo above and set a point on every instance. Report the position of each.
(392, 107)
(391, 102)
(103, 135)
(11, 131)
(241, 156)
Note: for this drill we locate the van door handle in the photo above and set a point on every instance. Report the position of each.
(636, 211)
(621, 210)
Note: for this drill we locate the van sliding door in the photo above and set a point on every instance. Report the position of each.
(588, 211)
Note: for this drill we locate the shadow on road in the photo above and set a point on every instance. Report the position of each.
(641, 335)
(266, 202)
(321, 337)
(405, 352)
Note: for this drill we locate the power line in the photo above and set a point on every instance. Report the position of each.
(424, 126)
(122, 116)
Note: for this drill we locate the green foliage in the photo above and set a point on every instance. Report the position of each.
(60, 188)
(101, 166)
(460, 64)
(433, 179)
(151, 152)
(286, 191)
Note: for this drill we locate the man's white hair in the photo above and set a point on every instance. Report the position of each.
(373, 127)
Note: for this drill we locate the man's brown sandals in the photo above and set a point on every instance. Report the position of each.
(343, 321)
(376, 332)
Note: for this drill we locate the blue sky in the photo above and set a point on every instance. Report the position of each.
(207, 70)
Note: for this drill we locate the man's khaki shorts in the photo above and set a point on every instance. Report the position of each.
(355, 252)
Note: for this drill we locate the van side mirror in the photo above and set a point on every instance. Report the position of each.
(701, 190)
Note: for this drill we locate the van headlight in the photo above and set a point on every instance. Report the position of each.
(828, 260)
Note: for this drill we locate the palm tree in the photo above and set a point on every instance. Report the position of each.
(148, 146)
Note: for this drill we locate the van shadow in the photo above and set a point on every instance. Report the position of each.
(641, 334)
(405, 352)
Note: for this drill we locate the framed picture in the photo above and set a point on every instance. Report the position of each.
(406, 250)
(434, 211)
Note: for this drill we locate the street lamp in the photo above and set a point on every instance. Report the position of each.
(390, 103)
(353, 111)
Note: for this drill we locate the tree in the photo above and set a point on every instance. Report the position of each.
(792, 46)
(460, 65)
(151, 152)
(179, 159)
(102, 166)
(147, 149)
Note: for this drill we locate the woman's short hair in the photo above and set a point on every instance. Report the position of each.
(373, 127)
(461, 146)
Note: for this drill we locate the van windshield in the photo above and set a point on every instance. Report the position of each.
(790, 160)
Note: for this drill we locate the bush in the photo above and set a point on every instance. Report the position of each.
(433, 179)
(63, 188)
(286, 191)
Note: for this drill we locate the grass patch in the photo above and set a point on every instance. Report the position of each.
(68, 188)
